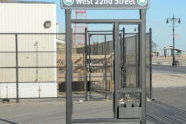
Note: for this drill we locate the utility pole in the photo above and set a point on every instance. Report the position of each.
(173, 20)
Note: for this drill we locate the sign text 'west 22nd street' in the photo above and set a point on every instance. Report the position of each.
(106, 2)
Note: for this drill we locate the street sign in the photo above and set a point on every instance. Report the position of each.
(104, 4)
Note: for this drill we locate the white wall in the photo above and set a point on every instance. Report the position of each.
(27, 18)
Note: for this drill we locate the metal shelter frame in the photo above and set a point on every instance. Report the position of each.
(141, 22)
(87, 58)
(88, 53)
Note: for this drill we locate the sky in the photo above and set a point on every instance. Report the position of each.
(157, 14)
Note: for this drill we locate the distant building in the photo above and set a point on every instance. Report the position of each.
(34, 50)
(168, 51)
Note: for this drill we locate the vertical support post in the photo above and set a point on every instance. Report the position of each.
(68, 67)
(90, 68)
(121, 60)
(138, 63)
(113, 71)
(124, 59)
(113, 68)
(105, 74)
(85, 66)
(173, 38)
(17, 69)
(143, 63)
(116, 67)
(150, 45)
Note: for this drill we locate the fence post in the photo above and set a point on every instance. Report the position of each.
(85, 66)
(105, 74)
(124, 60)
(89, 66)
(150, 45)
(17, 69)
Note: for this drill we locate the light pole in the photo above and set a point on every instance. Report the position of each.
(173, 20)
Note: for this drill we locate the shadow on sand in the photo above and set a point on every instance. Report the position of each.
(7, 121)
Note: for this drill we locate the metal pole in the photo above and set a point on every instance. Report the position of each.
(68, 67)
(173, 30)
(116, 67)
(124, 59)
(138, 63)
(113, 69)
(90, 69)
(150, 39)
(173, 20)
(105, 76)
(143, 63)
(121, 60)
(17, 69)
(85, 67)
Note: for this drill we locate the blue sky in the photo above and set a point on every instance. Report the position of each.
(156, 19)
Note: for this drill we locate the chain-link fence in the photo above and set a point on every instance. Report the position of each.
(100, 50)
(33, 65)
(29, 65)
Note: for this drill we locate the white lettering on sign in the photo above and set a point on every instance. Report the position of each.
(84, 2)
(126, 2)
(101, 2)
(105, 3)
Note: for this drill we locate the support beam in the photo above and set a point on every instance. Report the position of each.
(143, 63)
(104, 120)
(117, 73)
(68, 67)
(85, 66)
(137, 39)
(89, 67)
(150, 45)
(105, 66)
(124, 83)
(111, 21)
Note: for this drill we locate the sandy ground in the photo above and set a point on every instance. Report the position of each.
(170, 88)
(168, 80)
(54, 112)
